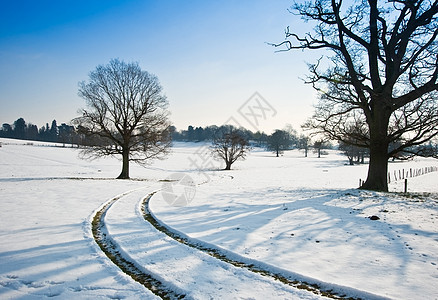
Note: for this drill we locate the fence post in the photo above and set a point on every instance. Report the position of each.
(406, 186)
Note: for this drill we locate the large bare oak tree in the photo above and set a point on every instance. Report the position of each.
(125, 116)
(378, 88)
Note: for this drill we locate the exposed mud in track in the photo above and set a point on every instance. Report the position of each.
(108, 246)
(216, 253)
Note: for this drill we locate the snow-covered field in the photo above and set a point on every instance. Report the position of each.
(298, 216)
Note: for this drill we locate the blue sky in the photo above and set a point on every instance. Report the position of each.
(210, 57)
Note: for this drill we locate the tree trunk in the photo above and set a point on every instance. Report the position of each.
(278, 150)
(228, 165)
(125, 165)
(378, 167)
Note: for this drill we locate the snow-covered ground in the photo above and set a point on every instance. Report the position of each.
(46, 247)
(300, 216)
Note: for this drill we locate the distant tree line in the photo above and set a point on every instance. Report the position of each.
(278, 142)
(77, 135)
(209, 133)
(49, 133)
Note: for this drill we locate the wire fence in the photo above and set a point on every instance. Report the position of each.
(404, 174)
(410, 173)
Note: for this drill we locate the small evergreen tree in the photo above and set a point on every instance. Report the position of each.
(53, 133)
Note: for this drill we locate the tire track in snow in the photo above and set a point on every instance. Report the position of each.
(318, 288)
(184, 269)
(166, 288)
(129, 267)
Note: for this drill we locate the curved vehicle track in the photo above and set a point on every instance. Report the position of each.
(163, 259)
(128, 266)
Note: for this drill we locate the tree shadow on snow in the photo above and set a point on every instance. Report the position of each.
(321, 229)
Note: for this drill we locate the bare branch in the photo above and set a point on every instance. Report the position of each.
(126, 114)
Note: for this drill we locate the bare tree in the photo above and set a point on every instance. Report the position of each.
(319, 145)
(126, 114)
(303, 143)
(230, 146)
(383, 73)
(354, 154)
(279, 141)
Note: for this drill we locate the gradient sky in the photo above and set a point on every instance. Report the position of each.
(210, 57)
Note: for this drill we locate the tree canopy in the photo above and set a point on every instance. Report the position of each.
(230, 145)
(279, 141)
(379, 85)
(126, 114)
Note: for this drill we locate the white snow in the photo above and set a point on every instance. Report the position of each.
(300, 216)
(184, 269)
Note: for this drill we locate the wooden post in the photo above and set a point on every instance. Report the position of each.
(406, 186)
